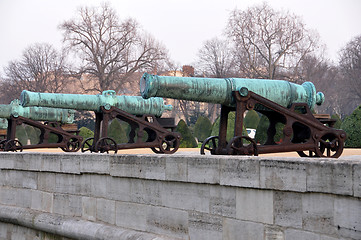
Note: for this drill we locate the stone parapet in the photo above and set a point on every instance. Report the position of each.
(189, 196)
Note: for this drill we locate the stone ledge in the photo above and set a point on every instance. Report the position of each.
(336, 176)
(74, 228)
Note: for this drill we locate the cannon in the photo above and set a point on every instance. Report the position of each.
(280, 101)
(143, 116)
(46, 120)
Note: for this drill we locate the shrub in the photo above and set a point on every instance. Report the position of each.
(116, 132)
(251, 120)
(202, 128)
(187, 140)
(338, 121)
(21, 135)
(261, 132)
(230, 127)
(86, 133)
(352, 126)
(33, 134)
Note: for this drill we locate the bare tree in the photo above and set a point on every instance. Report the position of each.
(350, 67)
(269, 42)
(41, 68)
(110, 50)
(216, 58)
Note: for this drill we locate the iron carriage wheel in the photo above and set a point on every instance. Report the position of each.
(237, 146)
(106, 144)
(330, 145)
(210, 144)
(88, 145)
(13, 145)
(168, 144)
(73, 145)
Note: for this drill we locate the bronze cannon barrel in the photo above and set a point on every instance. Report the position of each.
(36, 113)
(135, 105)
(219, 90)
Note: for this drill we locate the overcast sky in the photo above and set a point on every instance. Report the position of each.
(181, 25)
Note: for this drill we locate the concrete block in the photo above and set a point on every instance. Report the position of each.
(203, 169)
(119, 189)
(293, 234)
(152, 167)
(73, 184)
(68, 205)
(42, 201)
(95, 163)
(187, 196)
(167, 221)
(242, 230)
(105, 210)
(50, 163)
(255, 205)
(8, 160)
(89, 208)
(205, 226)
(131, 215)
(21, 179)
(222, 201)
(347, 217)
(46, 181)
(283, 175)
(8, 196)
(332, 176)
(274, 233)
(23, 197)
(176, 169)
(69, 163)
(288, 209)
(318, 213)
(240, 172)
(98, 185)
(356, 173)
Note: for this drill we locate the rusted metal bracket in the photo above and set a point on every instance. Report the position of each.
(302, 132)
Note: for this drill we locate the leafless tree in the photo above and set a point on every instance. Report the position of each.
(216, 58)
(41, 68)
(350, 67)
(269, 42)
(110, 49)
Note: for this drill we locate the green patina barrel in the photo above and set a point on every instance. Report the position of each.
(219, 90)
(132, 104)
(36, 113)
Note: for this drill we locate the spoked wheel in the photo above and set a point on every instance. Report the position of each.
(106, 144)
(2, 144)
(73, 145)
(237, 146)
(88, 145)
(330, 145)
(13, 146)
(169, 145)
(210, 144)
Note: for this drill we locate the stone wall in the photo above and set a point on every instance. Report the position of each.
(98, 196)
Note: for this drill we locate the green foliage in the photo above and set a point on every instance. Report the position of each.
(116, 132)
(188, 140)
(202, 128)
(86, 133)
(338, 121)
(33, 134)
(251, 120)
(230, 127)
(21, 134)
(352, 126)
(261, 132)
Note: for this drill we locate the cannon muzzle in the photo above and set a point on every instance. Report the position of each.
(135, 105)
(36, 113)
(219, 90)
